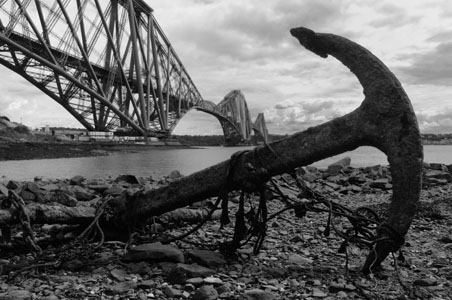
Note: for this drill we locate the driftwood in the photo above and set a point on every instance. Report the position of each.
(384, 120)
(83, 215)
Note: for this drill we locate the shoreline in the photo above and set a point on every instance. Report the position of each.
(28, 150)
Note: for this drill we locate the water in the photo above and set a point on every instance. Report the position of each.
(159, 162)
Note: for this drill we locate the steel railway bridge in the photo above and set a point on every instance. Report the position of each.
(110, 65)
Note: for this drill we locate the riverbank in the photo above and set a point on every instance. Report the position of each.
(26, 150)
(297, 260)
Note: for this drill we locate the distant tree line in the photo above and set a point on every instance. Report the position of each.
(213, 140)
(436, 137)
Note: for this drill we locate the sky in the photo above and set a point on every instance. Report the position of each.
(246, 45)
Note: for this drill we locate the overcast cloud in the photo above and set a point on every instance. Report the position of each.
(246, 45)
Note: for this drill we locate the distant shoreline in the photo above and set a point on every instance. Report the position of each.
(49, 150)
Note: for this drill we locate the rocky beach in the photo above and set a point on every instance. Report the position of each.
(297, 259)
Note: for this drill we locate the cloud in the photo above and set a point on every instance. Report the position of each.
(433, 67)
(436, 123)
(392, 16)
(290, 116)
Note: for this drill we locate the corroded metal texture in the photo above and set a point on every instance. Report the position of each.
(385, 120)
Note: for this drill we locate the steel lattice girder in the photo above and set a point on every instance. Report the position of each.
(109, 64)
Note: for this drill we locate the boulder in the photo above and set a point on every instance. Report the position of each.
(154, 252)
(336, 167)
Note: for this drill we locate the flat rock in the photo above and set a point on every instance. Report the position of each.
(123, 287)
(257, 294)
(299, 260)
(16, 295)
(207, 258)
(181, 272)
(154, 252)
(425, 282)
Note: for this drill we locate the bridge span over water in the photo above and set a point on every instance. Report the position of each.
(110, 65)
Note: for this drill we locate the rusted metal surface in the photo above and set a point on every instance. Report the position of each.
(384, 120)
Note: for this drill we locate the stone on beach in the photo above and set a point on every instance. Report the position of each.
(154, 252)
(207, 258)
(337, 166)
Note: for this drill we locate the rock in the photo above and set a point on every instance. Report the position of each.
(61, 196)
(438, 175)
(80, 193)
(439, 167)
(118, 274)
(299, 260)
(207, 258)
(141, 268)
(50, 297)
(3, 190)
(336, 167)
(154, 252)
(425, 282)
(374, 171)
(18, 295)
(123, 287)
(382, 184)
(99, 188)
(318, 293)
(181, 272)
(175, 174)
(132, 179)
(310, 177)
(13, 185)
(27, 196)
(206, 292)
(449, 168)
(172, 292)
(76, 180)
(275, 272)
(213, 281)
(257, 294)
(197, 281)
(336, 287)
(114, 190)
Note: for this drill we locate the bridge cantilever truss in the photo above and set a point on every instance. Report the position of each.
(106, 62)
(109, 64)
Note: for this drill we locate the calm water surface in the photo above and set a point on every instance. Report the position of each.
(159, 162)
